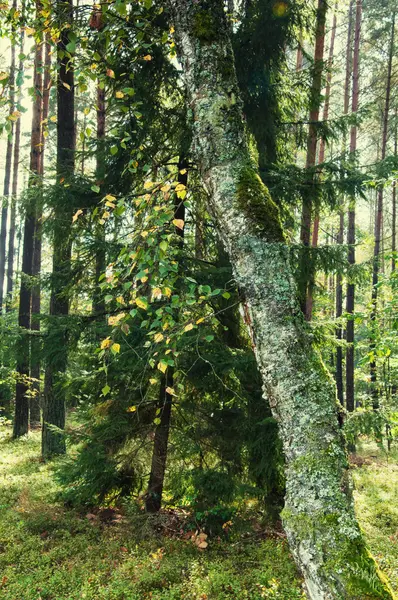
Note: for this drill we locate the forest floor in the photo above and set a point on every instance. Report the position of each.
(50, 552)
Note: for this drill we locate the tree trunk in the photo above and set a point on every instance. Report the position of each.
(394, 200)
(57, 335)
(378, 225)
(339, 312)
(14, 188)
(7, 178)
(21, 419)
(321, 158)
(35, 353)
(315, 103)
(153, 502)
(318, 516)
(350, 301)
(100, 257)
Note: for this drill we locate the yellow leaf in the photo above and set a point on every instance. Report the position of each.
(110, 204)
(110, 198)
(148, 57)
(180, 187)
(86, 111)
(183, 171)
(106, 214)
(158, 337)
(148, 185)
(172, 30)
(162, 366)
(179, 223)
(29, 31)
(3, 75)
(165, 188)
(131, 409)
(188, 327)
(53, 119)
(120, 300)
(114, 320)
(106, 343)
(115, 348)
(167, 292)
(157, 293)
(141, 303)
(119, 94)
(171, 391)
(144, 234)
(144, 279)
(153, 381)
(66, 85)
(199, 321)
(76, 215)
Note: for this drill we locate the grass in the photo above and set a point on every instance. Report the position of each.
(49, 552)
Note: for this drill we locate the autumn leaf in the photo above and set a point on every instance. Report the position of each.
(142, 303)
(158, 337)
(119, 94)
(162, 366)
(188, 327)
(179, 223)
(115, 348)
(131, 409)
(110, 73)
(76, 215)
(171, 391)
(106, 343)
(148, 57)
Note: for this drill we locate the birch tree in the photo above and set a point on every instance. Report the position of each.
(318, 516)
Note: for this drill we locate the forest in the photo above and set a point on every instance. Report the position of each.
(198, 300)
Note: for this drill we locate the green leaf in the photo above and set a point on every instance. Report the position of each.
(114, 150)
(96, 189)
(105, 390)
(157, 421)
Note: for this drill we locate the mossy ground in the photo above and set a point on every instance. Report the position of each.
(49, 552)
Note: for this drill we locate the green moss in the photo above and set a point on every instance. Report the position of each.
(204, 27)
(254, 199)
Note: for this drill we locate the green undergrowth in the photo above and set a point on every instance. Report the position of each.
(376, 503)
(51, 552)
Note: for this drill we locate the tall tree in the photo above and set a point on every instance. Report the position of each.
(7, 173)
(14, 188)
(35, 355)
(21, 418)
(100, 257)
(318, 516)
(57, 334)
(315, 104)
(379, 220)
(350, 301)
(394, 199)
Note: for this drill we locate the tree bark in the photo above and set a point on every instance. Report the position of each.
(100, 257)
(7, 177)
(350, 300)
(21, 418)
(394, 200)
(318, 516)
(57, 334)
(35, 354)
(378, 226)
(321, 158)
(14, 187)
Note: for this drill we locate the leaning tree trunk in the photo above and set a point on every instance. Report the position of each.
(318, 516)
(7, 177)
(56, 350)
(307, 271)
(21, 419)
(378, 226)
(350, 301)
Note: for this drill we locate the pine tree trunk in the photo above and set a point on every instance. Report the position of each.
(14, 188)
(21, 419)
(339, 312)
(7, 178)
(394, 200)
(57, 335)
(318, 516)
(378, 225)
(153, 501)
(315, 103)
(35, 353)
(321, 158)
(350, 301)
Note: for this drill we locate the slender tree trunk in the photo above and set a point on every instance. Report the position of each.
(153, 502)
(318, 516)
(14, 188)
(321, 158)
(394, 200)
(350, 301)
(56, 350)
(21, 419)
(7, 177)
(339, 312)
(315, 103)
(378, 226)
(100, 257)
(35, 354)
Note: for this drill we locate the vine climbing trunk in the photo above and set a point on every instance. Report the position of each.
(153, 501)
(56, 352)
(318, 516)
(378, 225)
(312, 141)
(21, 416)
